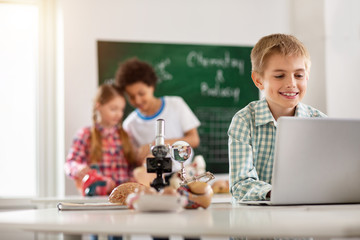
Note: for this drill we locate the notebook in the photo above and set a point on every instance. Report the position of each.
(316, 161)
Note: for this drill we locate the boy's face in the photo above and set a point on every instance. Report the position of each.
(140, 96)
(284, 82)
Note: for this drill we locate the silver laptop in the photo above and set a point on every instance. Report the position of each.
(317, 161)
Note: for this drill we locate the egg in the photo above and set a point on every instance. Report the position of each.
(220, 186)
(169, 191)
(199, 187)
(200, 193)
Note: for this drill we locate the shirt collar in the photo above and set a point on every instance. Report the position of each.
(144, 117)
(263, 114)
(106, 131)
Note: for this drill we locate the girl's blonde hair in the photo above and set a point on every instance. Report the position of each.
(106, 93)
(287, 45)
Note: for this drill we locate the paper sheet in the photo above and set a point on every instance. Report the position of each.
(64, 206)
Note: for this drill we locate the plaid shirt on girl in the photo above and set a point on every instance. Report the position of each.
(113, 163)
(251, 149)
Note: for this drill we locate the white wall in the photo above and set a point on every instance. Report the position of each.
(307, 23)
(342, 20)
(329, 28)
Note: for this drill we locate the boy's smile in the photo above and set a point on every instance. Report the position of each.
(284, 82)
(290, 95)
(141, 96)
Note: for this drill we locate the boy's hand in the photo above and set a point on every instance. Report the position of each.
(142, 153)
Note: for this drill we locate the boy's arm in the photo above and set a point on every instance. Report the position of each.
(244, 180)
(191, 137)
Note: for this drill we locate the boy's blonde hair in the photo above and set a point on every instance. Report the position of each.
(287, 45)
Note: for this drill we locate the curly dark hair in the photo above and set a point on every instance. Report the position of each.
(132, 71)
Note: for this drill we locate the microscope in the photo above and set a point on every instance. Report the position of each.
(159, 164)
(180, 151)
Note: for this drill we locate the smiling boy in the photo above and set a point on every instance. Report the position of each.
(280, 68)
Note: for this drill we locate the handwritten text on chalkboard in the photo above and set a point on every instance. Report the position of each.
(197, 59)
(217, 90)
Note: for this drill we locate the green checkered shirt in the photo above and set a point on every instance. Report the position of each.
(251, 149)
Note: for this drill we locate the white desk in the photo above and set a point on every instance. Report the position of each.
(220, 220)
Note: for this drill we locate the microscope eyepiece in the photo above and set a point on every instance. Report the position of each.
(160, 132)
(159, 150)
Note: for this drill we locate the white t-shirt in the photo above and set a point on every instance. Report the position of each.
(178, 120)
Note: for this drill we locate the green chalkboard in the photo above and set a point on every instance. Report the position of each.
(215, 81)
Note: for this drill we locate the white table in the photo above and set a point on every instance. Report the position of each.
(220, 220)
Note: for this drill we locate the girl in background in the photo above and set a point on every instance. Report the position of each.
(104, 145)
